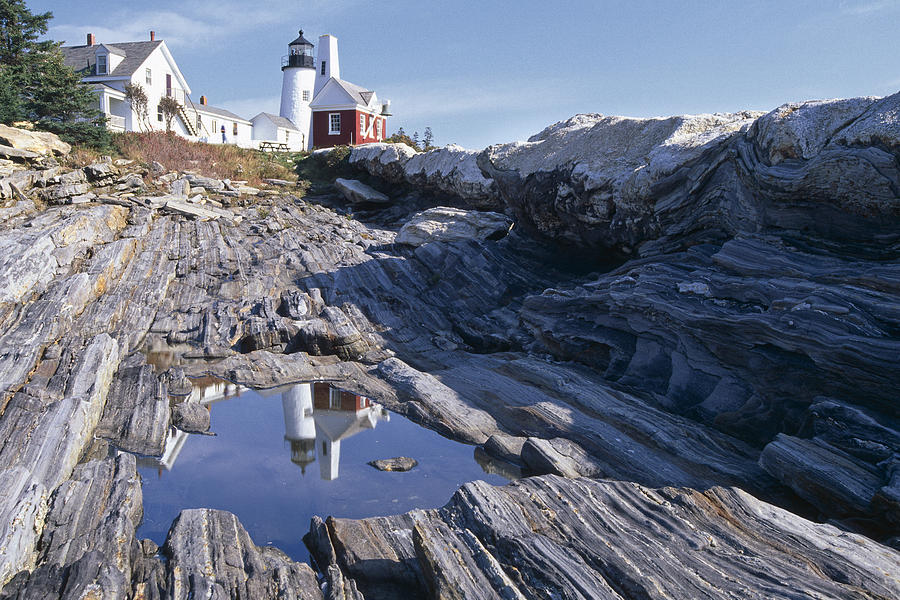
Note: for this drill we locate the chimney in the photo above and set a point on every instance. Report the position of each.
(152, 36)
(328, 65)
(203, 100)
(91, 39)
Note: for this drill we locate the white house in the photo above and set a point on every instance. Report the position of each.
(110, 67)
(269, 127)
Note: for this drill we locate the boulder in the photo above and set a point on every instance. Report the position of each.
(450, 170)
(40, 142)
(190, 417)
(445, 224)
(356, 192)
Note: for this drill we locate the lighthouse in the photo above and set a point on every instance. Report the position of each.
(299, 77)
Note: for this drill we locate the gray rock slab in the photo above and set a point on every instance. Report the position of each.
(356, 192)
(447, 224)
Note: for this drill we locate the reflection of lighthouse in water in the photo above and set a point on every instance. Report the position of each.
(317, 417)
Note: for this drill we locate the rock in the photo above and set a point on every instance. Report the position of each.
(447, 224)
(583, 538)
(356, 192)
(205, 213)
(136, 415)
(383, 160)
(180, 187)
(559, 457)
(831, 480)
(450, 170)
(190, 417)
(100, 172)
(211, 555)
(207, 183)
(15, 153)
(399, 463)
(441, 407)
(40, 142)
(279, 182)
(157, 167)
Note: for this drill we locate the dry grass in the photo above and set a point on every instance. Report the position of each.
(222, 161)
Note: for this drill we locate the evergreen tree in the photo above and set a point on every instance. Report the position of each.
(427, 139)
(415, 140)
(36, 85)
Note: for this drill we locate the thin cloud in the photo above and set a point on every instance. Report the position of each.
(868, 8)
(212, 24)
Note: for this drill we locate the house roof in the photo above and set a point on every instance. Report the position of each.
(219, 112)
(114, 49)
(83, 59)
(278, 121)
(355, 94)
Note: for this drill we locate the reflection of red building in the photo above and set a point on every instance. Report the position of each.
(326, 397)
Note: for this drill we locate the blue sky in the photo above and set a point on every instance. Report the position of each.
(482, 72)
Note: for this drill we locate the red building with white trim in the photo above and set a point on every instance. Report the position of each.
(343, 113)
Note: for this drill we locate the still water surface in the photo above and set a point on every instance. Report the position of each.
(282, 457)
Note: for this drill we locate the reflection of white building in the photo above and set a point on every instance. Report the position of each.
(317, 417)
(205, 391)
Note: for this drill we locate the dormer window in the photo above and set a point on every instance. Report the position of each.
(101, 64)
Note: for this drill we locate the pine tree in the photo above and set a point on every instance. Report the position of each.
(415, 140)
(36, 85)
(427, 139)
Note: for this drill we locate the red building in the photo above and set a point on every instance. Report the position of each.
(346, 114)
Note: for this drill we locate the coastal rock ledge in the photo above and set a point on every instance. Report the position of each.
(686, 343)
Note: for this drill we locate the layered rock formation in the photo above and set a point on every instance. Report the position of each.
(664, 405)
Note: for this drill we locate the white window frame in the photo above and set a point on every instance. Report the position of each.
(159, 113)
(102, 58)
(378, 129)
(148, 77)
(306, 95)
(362, 124)
(334, 118)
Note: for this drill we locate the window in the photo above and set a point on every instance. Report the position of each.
(214, 128)
(234, 129)
(362, 124)
(378, 131)
(159, 113)
(101, 64)
(148, 77)
(334, 398)
(287, 136)
(323, 67)
(334, 123)
(306, 95)
(199, 123)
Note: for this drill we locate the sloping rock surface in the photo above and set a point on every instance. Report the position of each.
(588, 539)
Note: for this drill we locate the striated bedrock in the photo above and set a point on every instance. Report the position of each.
(552, 537)
(821, 170)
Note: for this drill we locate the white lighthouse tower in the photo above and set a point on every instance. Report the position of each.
(299, 425)
(299, 76)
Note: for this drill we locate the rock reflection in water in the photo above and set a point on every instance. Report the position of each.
(317, 416)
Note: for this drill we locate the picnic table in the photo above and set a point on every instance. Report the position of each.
(273, 147)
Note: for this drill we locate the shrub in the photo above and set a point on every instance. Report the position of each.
(222, 161)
